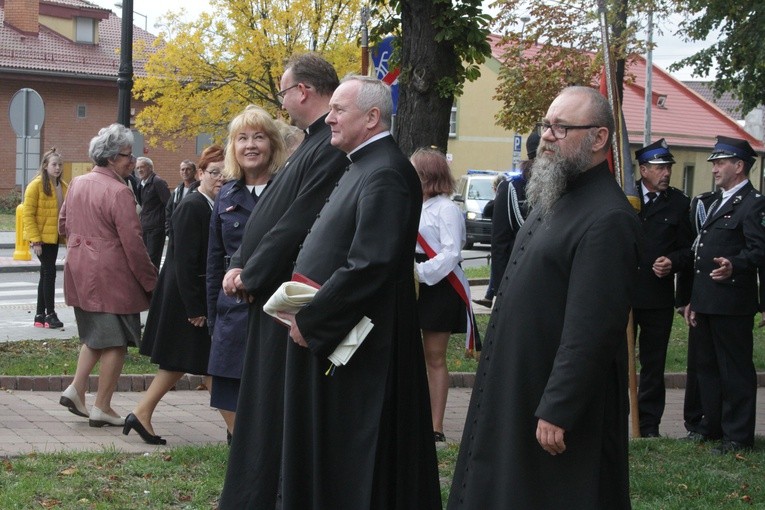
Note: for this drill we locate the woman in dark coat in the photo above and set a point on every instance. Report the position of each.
(254, 152)
(176, 335)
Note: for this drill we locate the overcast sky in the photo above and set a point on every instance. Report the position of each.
(669, 48)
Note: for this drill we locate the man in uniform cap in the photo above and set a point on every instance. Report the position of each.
(729, 249)
(666, 251)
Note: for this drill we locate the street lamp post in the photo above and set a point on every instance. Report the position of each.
(125, 75)
(145, 17)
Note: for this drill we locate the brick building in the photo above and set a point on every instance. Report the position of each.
(67, 51)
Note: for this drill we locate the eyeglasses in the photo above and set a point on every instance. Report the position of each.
(281, 93)
(216, 174)
(559, 131)
(130, 156)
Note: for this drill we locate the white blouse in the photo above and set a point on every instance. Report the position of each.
(443, 227)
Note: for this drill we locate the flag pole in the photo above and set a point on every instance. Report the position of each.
(618, 145)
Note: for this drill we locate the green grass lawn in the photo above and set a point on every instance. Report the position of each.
(54, 357)
(7, 222)
(667, 474)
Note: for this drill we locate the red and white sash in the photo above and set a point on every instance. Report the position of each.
(460, 284)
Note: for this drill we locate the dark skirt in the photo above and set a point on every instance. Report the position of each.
(441, 309)
(102, 330)
(224, 393)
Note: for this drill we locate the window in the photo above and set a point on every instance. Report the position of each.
(204, 140)
(688, 179)
(85, 30)
(29, 148)
(453, 123)
(138, 143)
(82, 111)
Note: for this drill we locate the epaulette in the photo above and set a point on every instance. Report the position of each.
(675, 190)
(704, 195)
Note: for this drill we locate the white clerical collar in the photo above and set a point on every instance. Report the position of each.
(370, 140)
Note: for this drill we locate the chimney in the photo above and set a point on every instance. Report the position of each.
(23, 15)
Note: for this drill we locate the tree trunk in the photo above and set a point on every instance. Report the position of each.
(423, 116)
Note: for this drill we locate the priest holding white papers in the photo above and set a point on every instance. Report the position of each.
(360, 437)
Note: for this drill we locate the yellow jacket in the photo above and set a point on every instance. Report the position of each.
(41, 213)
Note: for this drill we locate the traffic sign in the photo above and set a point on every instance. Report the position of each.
(27, 113)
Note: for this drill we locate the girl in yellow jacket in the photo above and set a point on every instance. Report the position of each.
(42, 202)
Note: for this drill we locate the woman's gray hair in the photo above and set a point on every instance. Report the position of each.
(373, 93)
(108, 143)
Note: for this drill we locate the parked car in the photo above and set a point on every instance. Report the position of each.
(474, 190)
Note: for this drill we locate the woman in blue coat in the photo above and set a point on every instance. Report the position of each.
(254, 152)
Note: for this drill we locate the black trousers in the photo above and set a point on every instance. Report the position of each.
(654, 326)
(154, 240)
(692, 410)
(46, 288)
(726, 376)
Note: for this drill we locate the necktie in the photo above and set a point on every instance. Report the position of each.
(651, 195)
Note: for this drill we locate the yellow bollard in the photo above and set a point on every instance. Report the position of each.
(22, 246)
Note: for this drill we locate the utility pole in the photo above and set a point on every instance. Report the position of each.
(364, 41)
(125, 75)
(648, 83)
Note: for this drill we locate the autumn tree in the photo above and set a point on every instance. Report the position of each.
(201, 73)
(441, 43)
(739, 53)
(559, 44)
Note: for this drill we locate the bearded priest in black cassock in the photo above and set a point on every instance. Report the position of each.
(546, 428)
(360, 438)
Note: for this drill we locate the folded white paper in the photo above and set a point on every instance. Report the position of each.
(291, 296)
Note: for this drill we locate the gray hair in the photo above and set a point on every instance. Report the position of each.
(146, 160)
(373, 93)
(107, 144)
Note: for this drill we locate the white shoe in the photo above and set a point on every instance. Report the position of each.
(98, 418)
(71, 401)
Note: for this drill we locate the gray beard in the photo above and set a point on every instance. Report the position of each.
(552, 173)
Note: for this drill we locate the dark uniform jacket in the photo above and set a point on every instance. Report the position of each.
(175, 198)
(154, 194)
(666, 232)
(737, 232)
(558, 353)
(510, 210)
(364, 435)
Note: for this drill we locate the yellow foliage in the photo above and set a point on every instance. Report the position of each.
(201, 73)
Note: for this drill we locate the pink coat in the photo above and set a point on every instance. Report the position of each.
(107, 267)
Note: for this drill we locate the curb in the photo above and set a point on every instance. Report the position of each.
(60, 382)
(27, 268)
(193, 382)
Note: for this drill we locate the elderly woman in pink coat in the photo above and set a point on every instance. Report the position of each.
(108, 277)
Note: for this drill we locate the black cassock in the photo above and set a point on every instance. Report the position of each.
(361, 438)
(278, 224)
(556, 349)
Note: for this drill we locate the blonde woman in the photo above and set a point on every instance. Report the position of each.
(254, 152)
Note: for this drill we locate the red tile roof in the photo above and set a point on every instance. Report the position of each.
(49, 53)
(687, 120)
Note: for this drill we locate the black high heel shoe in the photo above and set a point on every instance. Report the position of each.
(131, 422)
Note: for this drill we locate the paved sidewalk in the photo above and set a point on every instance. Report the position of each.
(33, 421)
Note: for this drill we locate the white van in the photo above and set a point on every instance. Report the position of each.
(474, 190)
